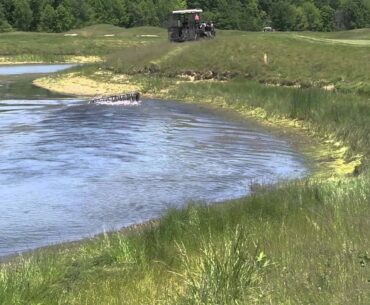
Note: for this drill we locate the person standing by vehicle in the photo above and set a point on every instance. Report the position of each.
(208, 30)
(203, 28)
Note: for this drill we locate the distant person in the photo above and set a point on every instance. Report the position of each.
(197, 18)
(213, 31)
(208, 30)
(203, 28)
(179, 25)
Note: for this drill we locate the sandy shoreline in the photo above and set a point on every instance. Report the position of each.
(80, 85)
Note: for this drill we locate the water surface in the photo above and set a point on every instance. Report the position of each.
(32, 69)
(70, 170)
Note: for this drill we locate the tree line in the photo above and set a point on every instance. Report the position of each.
(252, 15)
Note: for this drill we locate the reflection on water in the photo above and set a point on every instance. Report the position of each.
(69, 169)
(16, 81)
(32, 69)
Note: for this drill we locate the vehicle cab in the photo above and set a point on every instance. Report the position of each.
(184, 25)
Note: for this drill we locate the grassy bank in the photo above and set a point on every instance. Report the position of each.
(92, 43)
(302, 242)
(285, 59)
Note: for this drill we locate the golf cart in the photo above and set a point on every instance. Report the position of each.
(186, 25)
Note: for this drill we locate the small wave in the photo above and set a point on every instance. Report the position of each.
(126, 103)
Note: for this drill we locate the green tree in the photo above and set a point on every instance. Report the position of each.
(283, 15)
(82, 12)
(313, 16)
(4, 24)
(37, 7)
(327, 17)
(265, 5)
(110, 11)
(8, 9)
(148, 13)
(22, 15)
(164, 7)
(63, 19)
(356, 14)
(301, 23)
(229, 14)
(47, 19)
(252, 17)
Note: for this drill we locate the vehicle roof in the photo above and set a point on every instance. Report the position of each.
(192, 11)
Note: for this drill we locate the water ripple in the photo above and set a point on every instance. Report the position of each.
(69, 170)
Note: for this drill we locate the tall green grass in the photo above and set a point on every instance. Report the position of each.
(300, 243)
(225, 272)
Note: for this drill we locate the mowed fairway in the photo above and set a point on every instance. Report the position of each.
(97, 40)
(303, 242)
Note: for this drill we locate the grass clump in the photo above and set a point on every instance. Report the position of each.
(224, 273)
